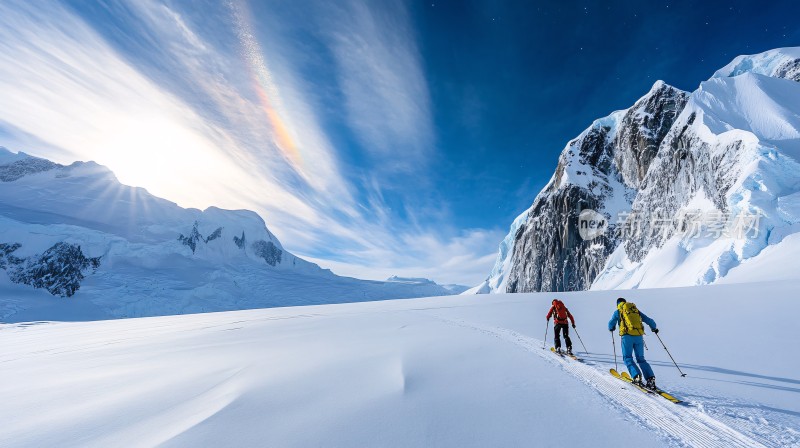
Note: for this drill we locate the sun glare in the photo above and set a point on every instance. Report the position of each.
(165, 157)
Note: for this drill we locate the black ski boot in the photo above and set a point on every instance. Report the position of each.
(651, 383)
(569, 351)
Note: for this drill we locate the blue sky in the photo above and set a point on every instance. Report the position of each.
(375, 137)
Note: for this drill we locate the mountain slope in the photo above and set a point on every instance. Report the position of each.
(678, 178)
(122, 252)
(445, 371)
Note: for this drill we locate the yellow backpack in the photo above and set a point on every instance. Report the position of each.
(630, 322)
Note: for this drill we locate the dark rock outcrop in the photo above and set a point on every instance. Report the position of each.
(60, 269)
(193, 238)
(21, 168)
(268, 251)
(789, 70)
(240, 242)
(6, 255)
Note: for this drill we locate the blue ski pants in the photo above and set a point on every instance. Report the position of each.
(631, 345)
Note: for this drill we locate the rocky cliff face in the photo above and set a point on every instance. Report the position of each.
(600, 170)
(642, 130)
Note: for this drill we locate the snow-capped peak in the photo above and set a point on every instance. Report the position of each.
(777, 63)
(658, 85)
(6, 156)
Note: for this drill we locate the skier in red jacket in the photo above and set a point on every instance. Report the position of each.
(560, 315)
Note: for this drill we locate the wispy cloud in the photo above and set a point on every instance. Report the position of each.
(465, 259)
(203, 120)
(386, 93)
(273, 125)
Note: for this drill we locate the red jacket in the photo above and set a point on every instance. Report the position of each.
(556, 319)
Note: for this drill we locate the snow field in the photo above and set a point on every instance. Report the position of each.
(443, 371)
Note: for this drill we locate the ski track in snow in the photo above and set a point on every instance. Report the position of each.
(681, 425)
(766, 424)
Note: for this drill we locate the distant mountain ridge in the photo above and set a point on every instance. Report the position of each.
(673, 162)
(118, 251)
(453, 288)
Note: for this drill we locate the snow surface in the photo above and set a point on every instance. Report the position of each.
(775, 262)
(764, 106)
(446, 371)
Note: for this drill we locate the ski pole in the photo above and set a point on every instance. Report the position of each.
(613, 343)
(579, 338)
(544, 341)
(645, 343)
(670, 355)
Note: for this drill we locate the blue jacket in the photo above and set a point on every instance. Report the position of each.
(612, 324)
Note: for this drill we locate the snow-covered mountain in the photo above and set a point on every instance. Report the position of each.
(690, 188)
(453, 288)
(75, 242)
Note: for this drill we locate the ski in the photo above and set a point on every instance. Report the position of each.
(656, 391)
(564, 354)
(624, 376)
(668, 396)
(627, 379)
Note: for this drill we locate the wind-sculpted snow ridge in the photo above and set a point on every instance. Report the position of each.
(132, 254)
(777, 63)
(691, 186)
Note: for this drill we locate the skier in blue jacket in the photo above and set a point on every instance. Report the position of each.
(631, 331)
